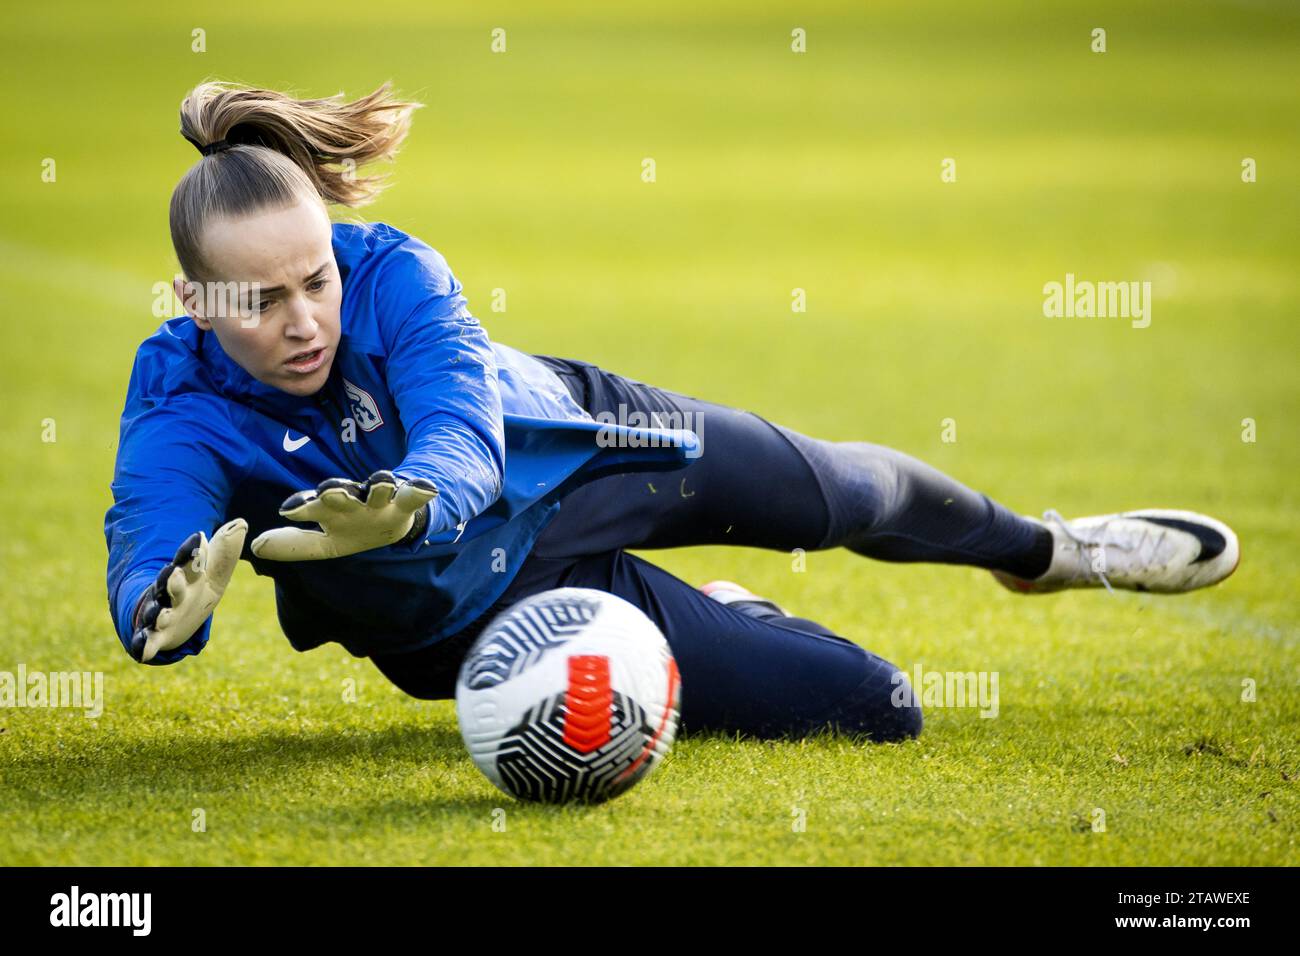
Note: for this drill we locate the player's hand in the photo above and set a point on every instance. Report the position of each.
(187, 590)
(353, 516)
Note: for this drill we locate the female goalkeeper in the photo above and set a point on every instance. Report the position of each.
(331, 375)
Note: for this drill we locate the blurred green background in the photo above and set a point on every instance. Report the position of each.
(775, 170)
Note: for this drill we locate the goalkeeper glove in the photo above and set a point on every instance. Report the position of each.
(353, 516)
(186, 591)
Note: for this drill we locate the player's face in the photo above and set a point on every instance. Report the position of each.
(276, 294)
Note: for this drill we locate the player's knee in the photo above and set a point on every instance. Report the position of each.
(906, 708)
(898, 717)
(883, 707)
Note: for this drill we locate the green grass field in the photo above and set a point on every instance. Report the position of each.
(775, 171)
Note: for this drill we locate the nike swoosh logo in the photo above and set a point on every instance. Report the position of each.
(293, 444)
(1212, 543)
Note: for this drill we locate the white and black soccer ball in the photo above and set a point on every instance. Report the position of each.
(571, 694)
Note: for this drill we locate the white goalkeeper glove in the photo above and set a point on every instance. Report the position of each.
(186, 591)
(353, 516)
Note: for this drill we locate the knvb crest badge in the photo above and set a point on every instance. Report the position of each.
(364, 410)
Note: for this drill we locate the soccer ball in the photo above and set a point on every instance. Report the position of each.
(571, 694)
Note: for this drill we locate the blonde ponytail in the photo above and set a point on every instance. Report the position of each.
(265, 149)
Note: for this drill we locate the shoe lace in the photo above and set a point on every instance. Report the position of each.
(1092, 547)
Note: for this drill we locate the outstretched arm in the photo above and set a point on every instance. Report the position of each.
(176, 470)
(442, 374)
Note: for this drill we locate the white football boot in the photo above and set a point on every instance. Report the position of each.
(1156, 550)
(731, 593)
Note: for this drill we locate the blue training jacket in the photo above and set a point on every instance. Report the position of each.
(419, 389)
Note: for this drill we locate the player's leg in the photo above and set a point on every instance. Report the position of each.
(760, 484)
(765, 676)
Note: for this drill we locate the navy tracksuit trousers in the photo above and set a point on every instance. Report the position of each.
(760, 485)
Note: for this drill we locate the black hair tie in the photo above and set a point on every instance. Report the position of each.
(241, 134)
